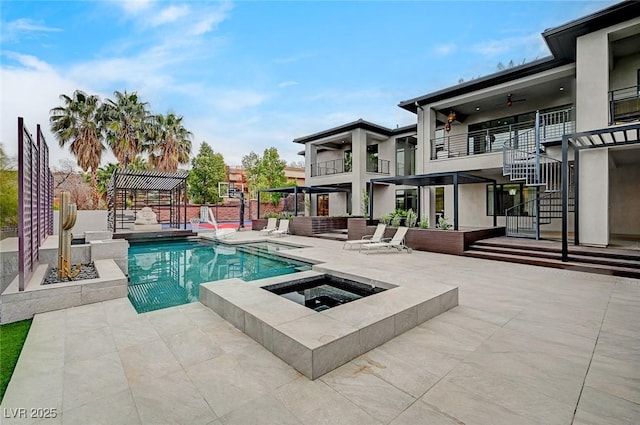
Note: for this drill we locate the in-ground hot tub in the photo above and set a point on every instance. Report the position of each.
(316, 342)
(323, 292)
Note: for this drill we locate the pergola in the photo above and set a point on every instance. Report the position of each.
(301, 189)
(454, 178)
(163, 192)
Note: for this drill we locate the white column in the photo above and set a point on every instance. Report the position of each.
(594, 197)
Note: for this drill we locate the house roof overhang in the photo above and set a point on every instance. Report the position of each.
(433, 179)
(562, 39)
(359, 124)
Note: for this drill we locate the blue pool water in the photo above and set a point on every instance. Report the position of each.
(167, 274)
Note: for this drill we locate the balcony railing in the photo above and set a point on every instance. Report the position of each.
(624, 105)
(339, 166)
(380, 166)
(553, 125)
(327, 168)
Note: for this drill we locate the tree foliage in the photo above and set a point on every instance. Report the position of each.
(8, 191)
(207, 170)
(169, 142)
(77, 123)
(265, 172)
(126, 122)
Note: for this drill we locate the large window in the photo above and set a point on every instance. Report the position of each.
(406, 156)
(407, 199)
(510, 195)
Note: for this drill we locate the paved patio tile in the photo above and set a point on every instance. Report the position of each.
(224, 384)
(372, 394)
(597, 408)
(316, 403)
(420, 413)
(147, 361)
(264, 410)
(193, 347)
(118, 408)
(92, 379)
(171, 399)
(515, 351)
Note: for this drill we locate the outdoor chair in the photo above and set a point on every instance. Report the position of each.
(366, 239)
(283, 228)
(396, 242)
(272, 224)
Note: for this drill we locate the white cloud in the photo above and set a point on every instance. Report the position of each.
(24, 27)
(210, 21)
(170, 14)
(134, 7)
(288, 83)
(445, 49)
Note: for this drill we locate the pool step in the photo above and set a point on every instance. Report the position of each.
(334, 235)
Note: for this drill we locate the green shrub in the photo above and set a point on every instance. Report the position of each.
(412, 218)
(424, 223)
(396, 220)
(271, 214)
(386, 219)
(443, 224)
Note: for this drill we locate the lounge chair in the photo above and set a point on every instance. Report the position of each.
(272, 224)
(376, 237)
(283, 228)
(396, 242)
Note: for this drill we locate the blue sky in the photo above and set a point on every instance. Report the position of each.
(249, 75)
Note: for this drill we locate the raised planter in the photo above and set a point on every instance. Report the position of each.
(434, 240)
(309, 226)
(258, 223)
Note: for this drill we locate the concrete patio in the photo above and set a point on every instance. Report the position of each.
(526, 345)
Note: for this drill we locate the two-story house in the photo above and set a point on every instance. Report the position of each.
(505, 132)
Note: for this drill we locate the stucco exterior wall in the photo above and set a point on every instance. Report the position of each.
(594, 194)
(624, 201)
(625, 72)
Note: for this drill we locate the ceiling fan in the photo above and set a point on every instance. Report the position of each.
(511, 100)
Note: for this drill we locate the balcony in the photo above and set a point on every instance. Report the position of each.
(553, 125)
(380, 166)
(328, 168)
(624, 105)
(339, 166)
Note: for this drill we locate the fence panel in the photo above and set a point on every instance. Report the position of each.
(35, 199)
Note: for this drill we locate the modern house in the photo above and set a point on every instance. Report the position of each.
(495, 144)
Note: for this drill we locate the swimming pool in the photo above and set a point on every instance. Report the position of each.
(166, 274)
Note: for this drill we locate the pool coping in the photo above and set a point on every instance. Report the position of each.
(315, 343)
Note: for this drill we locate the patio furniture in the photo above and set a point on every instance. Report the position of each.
(283, 228)
(272, 224)
(396, 242)
(366, 239)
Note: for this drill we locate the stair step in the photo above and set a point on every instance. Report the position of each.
(578, 258)
(577, 251)
(547, 262)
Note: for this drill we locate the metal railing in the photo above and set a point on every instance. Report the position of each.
(553, 125)
(527, 162)
(380, 166)
(339, 166)
(624, 105)
(327, 168)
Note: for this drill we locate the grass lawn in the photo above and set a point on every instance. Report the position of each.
(12, 338)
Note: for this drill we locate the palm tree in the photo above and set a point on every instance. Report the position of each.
(125, 120)
(78, 122)
(169, 143)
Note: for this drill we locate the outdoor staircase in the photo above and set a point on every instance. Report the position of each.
(616, 262)
(524, 160)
